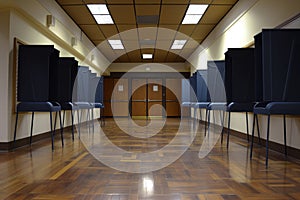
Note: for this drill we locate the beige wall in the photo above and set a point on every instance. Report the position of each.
(237, 29)
(152, 67)
(4, 61)
(27, 22)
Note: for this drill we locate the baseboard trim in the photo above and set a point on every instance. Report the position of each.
(8, 146)
(291, 151)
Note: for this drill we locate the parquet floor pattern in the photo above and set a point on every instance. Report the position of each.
(72, 172)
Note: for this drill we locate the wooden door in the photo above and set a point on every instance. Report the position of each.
(108, 90)
(139, 98)
(120, 101)
(173, 97)
(155, 98)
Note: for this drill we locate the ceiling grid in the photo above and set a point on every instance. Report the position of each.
(141, 26)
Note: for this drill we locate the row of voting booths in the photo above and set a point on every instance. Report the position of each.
(262, 80)
(49, 83)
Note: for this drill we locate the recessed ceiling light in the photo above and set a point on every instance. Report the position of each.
(103, 19)
(178, 44)
(194, 14)
(191, 19)
(195, 9)
(116, 44)
(100, 13)
(98, 9)
(147, 56)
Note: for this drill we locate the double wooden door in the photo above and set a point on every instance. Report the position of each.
(142, 97)
(147, 98)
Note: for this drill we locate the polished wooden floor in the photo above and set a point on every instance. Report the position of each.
(73, 173)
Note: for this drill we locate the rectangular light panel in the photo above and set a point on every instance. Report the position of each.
(194, 14)
(116, 44)
(100, 13)
(98, 9)
(103, 19)
(147, 56)
(178, 44)
(195, 9)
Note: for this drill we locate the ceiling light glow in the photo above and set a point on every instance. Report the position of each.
(178, 44)
(116, 44)
(100, 13)
(194, 14)
(98, 9)
(147, 56)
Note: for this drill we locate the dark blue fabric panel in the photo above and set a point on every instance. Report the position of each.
(258, 68)
(202, 91)
(292, 86)
(93, 82)
(34, 64)
(193, 92)
(276, 50)
(239, 78)
(185, 90)
(82, 81)
(215, 79)
(62, 87)
(99, 91)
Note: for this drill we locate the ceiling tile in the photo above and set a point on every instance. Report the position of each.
(214, 14)
(135, 56)
(119, 1)
(121, 17)
(147, 33)
(147, 50)
(186, 29)
(84, 18)
(191, 44)
(93, 32)
(147, 26)
(94, 1)
(147, 9)
(201, 31)
(165, 34)
(230, 2)
(169, 26)
(186, 52)
(123, 58)
(107, 51)
(180, 59)
(164, 45)
(160, 55)
(69, 2)
(171, 57)
(129, 35)
(108, 30)
(98, 42)
(200, 1)
(175, 1)
(131, 45)
(123, 28)
(172, 14)
(147, 2)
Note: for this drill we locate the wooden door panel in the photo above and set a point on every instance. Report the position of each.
(173, 89)
(139, 89)
(138, 108)
(172, 109)
(155, 109)
(107, 109)
(155, 89)
(121, 109)
(108, 88)
(139, 96)
(120, 92)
